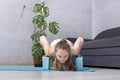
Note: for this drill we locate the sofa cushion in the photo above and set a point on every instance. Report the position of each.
(101, 52)
(102, 43)
(113, 32)
(102, 61)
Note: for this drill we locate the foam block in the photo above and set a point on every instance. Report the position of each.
(79, 63)
(46, 62)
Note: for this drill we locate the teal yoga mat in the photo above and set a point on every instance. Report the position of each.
(16, 68)
(46, 66)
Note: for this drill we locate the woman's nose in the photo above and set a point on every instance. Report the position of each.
(62, 58)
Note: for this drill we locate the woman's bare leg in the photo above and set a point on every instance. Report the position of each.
(75, 49)
(45, 44)
(49, 50)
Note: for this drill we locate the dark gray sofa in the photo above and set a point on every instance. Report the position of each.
(104, 50)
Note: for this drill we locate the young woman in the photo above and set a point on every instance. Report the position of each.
(63, 50)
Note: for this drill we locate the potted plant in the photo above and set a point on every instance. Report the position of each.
(41, 13)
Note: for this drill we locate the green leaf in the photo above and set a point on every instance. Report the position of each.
(35, 37)
(38, 7)
(37, 50)
(37, 20)
(43, 25)
(45, 11)
(40, 22)
(53, 27)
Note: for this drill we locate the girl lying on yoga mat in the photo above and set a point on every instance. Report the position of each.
(63, 50)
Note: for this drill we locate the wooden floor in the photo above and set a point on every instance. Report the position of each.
(99, 74)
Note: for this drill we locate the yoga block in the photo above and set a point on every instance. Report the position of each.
(45, 63)
(79, 63)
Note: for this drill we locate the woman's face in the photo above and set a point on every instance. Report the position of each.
(62, 55)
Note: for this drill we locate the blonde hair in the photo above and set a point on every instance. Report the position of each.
(69, 66)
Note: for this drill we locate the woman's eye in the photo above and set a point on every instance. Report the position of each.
(65, 56)
(59, 56)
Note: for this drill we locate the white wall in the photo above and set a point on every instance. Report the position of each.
(105, 15)
(15, 32)
(74, 17)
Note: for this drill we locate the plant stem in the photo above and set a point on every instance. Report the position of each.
(23, 11)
